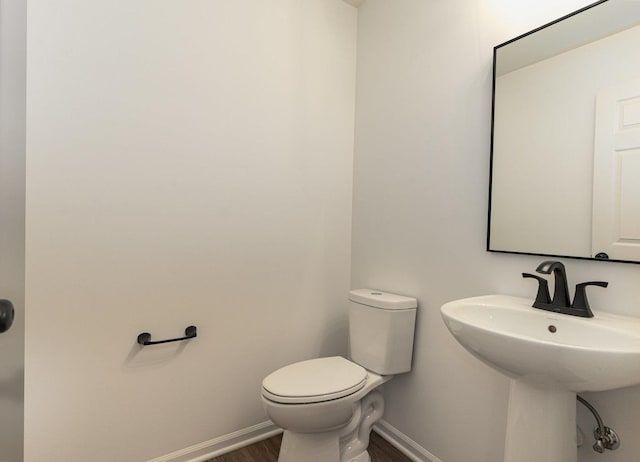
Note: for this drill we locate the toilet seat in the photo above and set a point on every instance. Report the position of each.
(314, 381)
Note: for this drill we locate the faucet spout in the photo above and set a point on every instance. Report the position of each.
(561, 292)
(560, 302)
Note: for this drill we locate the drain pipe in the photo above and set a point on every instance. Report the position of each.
(606, 438)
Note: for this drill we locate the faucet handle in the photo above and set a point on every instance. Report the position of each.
(542, 297)
(580, 301)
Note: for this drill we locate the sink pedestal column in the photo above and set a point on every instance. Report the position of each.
(541, 424)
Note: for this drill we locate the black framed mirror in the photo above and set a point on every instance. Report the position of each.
(565, 144)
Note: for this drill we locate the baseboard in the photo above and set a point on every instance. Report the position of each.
(222, 444)
(247, 436)
(403, 443)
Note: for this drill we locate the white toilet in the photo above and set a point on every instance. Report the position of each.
(327, 406)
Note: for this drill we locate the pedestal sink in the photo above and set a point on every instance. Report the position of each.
(549, 357)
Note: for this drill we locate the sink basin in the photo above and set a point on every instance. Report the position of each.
(545, 348)
(549, 357)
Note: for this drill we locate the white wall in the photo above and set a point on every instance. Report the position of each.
(191, 163)
(187, 163)
(419, 227)
(12, 146)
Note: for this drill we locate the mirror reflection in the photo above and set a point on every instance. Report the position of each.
(566, 137)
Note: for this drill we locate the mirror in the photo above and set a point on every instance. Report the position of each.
(565, 145)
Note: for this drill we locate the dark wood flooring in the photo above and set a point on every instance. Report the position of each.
(267, 451)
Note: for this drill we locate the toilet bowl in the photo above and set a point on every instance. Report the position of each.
(327, 406)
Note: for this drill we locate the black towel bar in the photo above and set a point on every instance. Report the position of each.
(145, 337)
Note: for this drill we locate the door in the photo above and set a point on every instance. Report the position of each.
(12, 226)
(616, 173)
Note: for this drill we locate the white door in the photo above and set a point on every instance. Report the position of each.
(616, 173)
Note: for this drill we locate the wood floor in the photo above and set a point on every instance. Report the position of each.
(267, 451)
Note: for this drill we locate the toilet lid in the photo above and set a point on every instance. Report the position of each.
(314, 381)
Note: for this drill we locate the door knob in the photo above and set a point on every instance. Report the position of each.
(7, 313)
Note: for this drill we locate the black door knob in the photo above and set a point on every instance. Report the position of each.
(7, 313)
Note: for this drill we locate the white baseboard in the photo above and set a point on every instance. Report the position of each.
(403, 443)
(246, 436)
(222, 444)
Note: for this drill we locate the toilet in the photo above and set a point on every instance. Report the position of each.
(327, 406)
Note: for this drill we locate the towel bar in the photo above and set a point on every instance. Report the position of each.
(145, 337)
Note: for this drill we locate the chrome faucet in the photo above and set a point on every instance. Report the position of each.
(560, 302)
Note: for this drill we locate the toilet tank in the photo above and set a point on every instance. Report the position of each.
(381, 327)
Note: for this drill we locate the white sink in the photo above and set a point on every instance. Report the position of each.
(549, 358)
(545, 348)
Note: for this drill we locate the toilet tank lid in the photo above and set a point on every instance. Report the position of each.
(384, 300)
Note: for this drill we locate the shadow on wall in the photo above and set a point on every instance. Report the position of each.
(336, 340)
(12, 389)
(145, 356)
